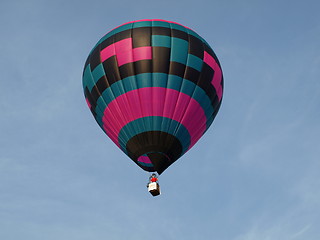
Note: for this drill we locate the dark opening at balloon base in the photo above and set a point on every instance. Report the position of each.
(154, 162)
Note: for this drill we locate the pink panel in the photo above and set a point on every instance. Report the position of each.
(123, 45)
(123, 50)
(182, 103)
(144, 159)
(158, 100)
(107, 52)
(145, 101)
(125, 53)
(217, 77)
(170, 104)
(196, 121)
(189, 113)
(142, 53)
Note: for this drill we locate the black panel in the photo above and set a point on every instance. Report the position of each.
(141, 37)
(204, 82)
(192, 74)
(161, 31)
(122, 35)
(95, 59)
(218, 105)
(208, 50)
(106, 43)
(143, 66)
(177, 69)
(126, 70)
(206, 74)
(196, 46)
(160, 59)
(95, 93)
(102, 84)
(179, 34)
(111, 69)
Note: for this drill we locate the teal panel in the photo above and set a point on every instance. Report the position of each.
(160, 24)
(98, 72)
(161, 41)
(102, 101)
(99, 115)
(87, 79)
(174, 82)
(195, 62)
(142, 24)
(160, 79)
(117, 89)
(144, 80)
(179, 50)
(188, 88)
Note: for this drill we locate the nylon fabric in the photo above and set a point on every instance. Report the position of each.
(154, 87)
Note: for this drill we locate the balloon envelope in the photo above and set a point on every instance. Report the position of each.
(154, 87)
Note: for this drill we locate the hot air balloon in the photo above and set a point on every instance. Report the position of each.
(154, 87)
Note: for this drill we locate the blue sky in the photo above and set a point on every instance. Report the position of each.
(253, 175)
